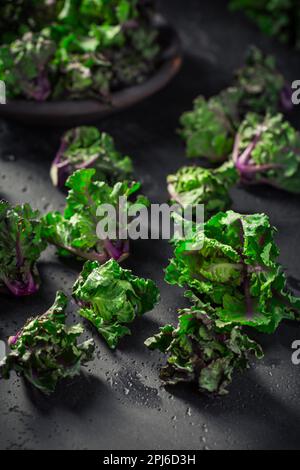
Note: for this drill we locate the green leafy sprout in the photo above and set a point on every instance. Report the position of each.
(194, 185)
(46, 351)
(209, 129)
(267, 151)
(87, 147)
(75, 232)
(111, 297)
(21, 245)
(232, 267)
(278, 18)
(201, 352)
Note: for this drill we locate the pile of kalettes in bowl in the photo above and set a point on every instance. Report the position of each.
(76, 49)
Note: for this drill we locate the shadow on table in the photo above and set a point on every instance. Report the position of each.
(278, 422)
(76, 395)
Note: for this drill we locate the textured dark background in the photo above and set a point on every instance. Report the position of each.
(118, 403)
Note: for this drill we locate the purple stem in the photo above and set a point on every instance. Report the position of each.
(246, 155)
(248, 298)
(22, 289)
(92, 256)
(42, 88)
(118, 252)
(130, 24)
(251, 169)
(88, 164)
(236, 148)
(286, 98)
(13, 339)
(61, 151)
(243, 162)
(19, 255)
(60, 169)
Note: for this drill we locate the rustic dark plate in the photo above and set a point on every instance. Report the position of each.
(67, 113)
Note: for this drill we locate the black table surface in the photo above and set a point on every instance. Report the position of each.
(118, 402)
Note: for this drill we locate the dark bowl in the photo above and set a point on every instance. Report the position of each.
(72, 113)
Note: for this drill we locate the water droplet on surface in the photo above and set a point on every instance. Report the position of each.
(9, 158)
